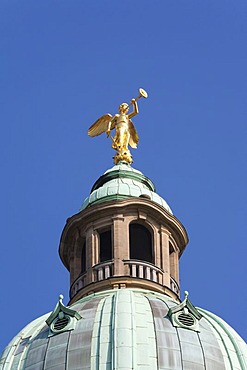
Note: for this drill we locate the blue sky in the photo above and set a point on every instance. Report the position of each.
(66, 63)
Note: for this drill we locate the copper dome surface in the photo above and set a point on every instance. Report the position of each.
(127, 329)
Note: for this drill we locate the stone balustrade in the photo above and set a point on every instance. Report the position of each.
(174, 286)
(103, 271)
(78, 284)
(136, 269)
(144, 270)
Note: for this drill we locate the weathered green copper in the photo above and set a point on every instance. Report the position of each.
(185, 308)
(62, 311)
(121, 182)
(127, 329)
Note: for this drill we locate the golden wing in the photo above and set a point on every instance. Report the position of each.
(100, 126)
(134, 139)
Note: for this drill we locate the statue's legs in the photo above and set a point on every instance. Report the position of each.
(120, 144)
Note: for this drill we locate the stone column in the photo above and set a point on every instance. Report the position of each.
(71, 265)
(157, 248)
(165, 261)
(74, 266)
(174, 266)
(120, 244)
(90, 254)
(79, 242)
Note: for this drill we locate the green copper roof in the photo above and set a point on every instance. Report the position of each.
(120, 182)
(127, 329)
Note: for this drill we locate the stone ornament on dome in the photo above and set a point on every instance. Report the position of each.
(125, 132)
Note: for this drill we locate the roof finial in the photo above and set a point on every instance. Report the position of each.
(61, 298)
(186, 294)
(125, 132)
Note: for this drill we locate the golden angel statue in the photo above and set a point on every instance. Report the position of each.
(125, 132)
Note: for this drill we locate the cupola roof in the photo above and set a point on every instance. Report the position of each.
(122, 181)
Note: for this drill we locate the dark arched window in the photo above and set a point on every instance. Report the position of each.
(140, 243)
(83, 258)
(105, 247)
(171, 248)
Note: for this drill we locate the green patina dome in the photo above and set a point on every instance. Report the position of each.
(127, 329)
(120, 182)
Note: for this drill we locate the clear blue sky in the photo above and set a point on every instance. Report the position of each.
(64, 64)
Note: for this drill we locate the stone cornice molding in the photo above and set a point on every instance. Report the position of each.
(110, 209)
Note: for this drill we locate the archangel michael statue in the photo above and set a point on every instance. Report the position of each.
(125, 132)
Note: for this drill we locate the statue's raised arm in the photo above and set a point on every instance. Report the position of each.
(125, 132)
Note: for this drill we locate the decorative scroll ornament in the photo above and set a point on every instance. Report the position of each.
(125, 132)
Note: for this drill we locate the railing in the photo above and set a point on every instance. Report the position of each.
(144, 270)
(77, 285)
(174, 286)
(103, 270)
(136, 269)
(100, 272)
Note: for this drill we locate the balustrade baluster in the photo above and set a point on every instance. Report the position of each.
(154, 275)
(133, 270)
(147, 273)
(107, 271)
(140, 271)
(100, 273)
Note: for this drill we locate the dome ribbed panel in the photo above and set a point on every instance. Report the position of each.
(180, 348)
(233, 348)
(55, 354)
(123, 336)
(16, 353)
(168, 346)
(213, 351)
(68, 350)
(79, 346)
(191, 350)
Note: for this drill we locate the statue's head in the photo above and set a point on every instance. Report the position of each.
(123, 108)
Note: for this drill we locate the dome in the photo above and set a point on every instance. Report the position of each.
(126, 329)
(120, 182)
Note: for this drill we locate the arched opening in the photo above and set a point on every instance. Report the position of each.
(105, 246)
(140, 241)
(83, 258)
